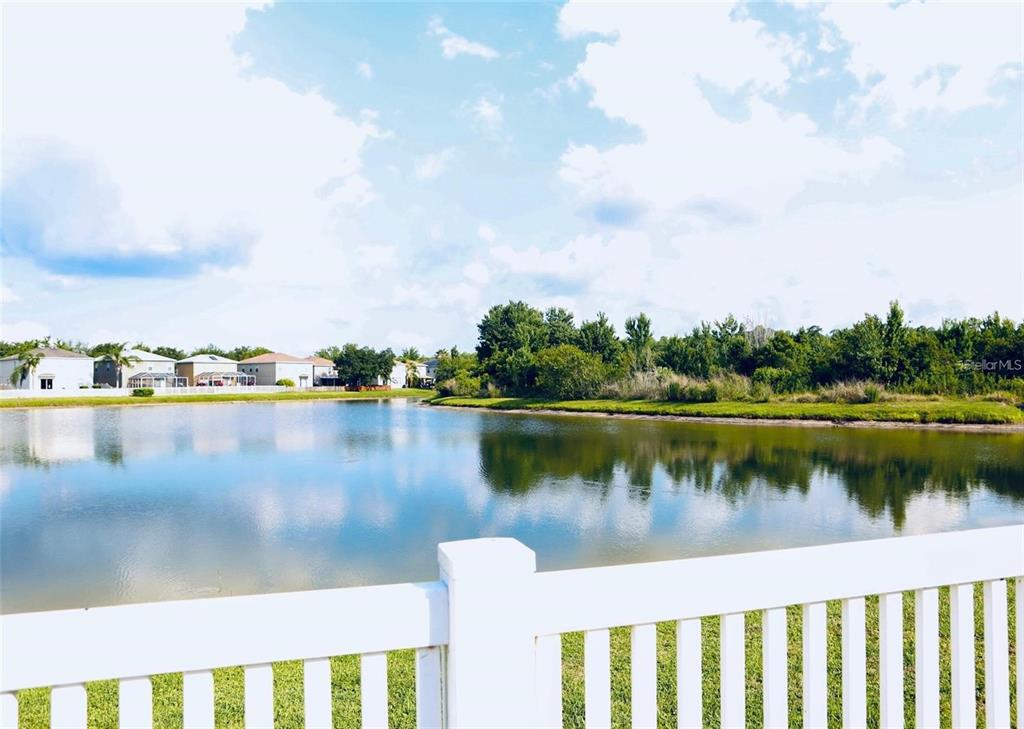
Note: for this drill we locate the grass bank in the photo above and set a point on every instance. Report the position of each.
(57, 402)
(950, 410)
(288, 711)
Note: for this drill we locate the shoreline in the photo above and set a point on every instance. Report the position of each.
(211, 399)
(1002, 428)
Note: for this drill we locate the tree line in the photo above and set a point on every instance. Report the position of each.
(522, 350)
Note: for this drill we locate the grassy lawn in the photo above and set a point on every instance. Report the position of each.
(52, 402)
(910, 411)
(345, 674)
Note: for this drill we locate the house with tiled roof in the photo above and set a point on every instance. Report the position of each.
(57, 369)
(272, 367)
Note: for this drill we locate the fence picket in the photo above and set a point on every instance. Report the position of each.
(373, 689)
(549, 680)
(644, 675)
(8, 711)
(775, 668)
(689, 691)
(135, 702)
(890, 660)
(597, 678)
(259, 696)
(961, 617)
(814, 665)
(430, 688)
(316, 693)
(926, 657)
(855, 708)
(197, 699)
(997, 657)
(68, 707)
(1020, 652)
(733, 688)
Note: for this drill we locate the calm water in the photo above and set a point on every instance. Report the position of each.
(109, 505)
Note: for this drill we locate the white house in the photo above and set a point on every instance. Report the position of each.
(400, 374)
(212, 370)
(150, 370)
(268, 369)
(322, 367)
(58, 369)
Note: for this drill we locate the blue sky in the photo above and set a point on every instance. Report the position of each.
(298, 175)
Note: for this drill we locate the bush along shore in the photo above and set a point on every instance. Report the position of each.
(878, 369)
(42, 402)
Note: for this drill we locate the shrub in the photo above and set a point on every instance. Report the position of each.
(778, 379)
(730, 386)
(872, 392)
(462, 385)
(566, 372)
(640, 386)
(851, 393)
(285, 382)
(142, 392)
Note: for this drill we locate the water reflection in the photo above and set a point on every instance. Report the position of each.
(880, 470)
(108, 505)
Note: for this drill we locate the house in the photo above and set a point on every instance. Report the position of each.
(58, 369)
(323, 369)
(400, 374)
(430, 372)
(201, 370)
(270, 368)
(149, 370)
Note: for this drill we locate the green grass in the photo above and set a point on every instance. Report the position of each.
(288, 712)
(911, 411)
(56, 402)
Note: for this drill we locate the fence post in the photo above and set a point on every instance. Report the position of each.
(491, 643)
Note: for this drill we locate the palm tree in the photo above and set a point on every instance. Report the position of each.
(410, 357)
(28, 360)
(120, 357)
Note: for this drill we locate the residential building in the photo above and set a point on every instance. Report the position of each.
(270, 368)
(58, 369)
(201, 370)
(323, 369)
(154, 369)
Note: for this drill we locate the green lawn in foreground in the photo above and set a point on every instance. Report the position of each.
(44, 402)
(909, 411)
(401, 678)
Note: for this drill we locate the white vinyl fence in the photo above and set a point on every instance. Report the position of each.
(487, 637)
(86, 392)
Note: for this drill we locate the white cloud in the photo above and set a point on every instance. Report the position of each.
(477, 272)
(365, 70)
(432, 165)
(173, 149)
(487, 113)
(8, 295)
(929, 56)
(486, 233)
(691, 162)
(453, 46)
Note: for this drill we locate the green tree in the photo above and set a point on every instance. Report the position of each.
(639, 343)
(598, 337)
(509, 336)
(28, 360)
(361, 366)
(561, 329)
(566, 372)
(410, 353)
(172, 352)
(245, 352)
(210, 349)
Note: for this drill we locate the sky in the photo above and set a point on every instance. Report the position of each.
(301, 175)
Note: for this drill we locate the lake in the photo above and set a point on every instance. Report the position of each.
(110, 505)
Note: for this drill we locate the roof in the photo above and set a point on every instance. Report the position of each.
(271, 357)
(206, 359)
(320, 361)
(52, 352)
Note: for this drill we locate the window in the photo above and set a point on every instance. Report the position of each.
(45, 383)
